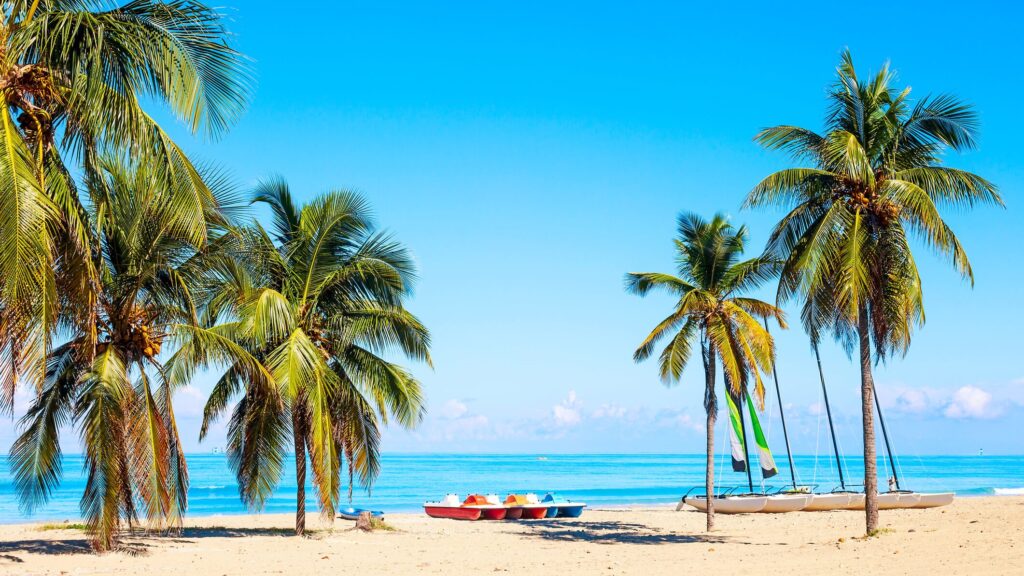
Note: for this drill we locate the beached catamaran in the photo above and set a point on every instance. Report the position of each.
(797, 497)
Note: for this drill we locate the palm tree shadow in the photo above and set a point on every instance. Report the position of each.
(612, 532)
(134, 544)
(42, 546)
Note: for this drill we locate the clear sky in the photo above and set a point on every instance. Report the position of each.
(530, 153)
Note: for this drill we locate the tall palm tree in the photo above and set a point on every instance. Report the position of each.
(712, 311)
(110, 385)
(872, 179)
(305, 318)
(73, 75)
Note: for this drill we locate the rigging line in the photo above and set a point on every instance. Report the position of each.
(828, 411)
(885, 435)
(782, 416)
(817, 443)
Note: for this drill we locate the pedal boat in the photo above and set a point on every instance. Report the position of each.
(560, 507)
(451, 508)
(489, 507)
(525, 506)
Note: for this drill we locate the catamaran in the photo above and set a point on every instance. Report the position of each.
(844, 499)
(799, 497)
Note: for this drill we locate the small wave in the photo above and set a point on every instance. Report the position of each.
(212, 487)
(1009, 491)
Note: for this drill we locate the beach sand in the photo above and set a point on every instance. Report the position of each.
(972, 536)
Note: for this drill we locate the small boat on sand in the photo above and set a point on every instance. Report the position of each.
(935, 500)
(489, 506)
(559, 507)
(778, 503)
(743, 504)
(834, 501)
(351, 513)
(525, 506)
(451, 508)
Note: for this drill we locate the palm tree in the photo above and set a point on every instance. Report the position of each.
(304, 318)
(110, 385)
(712, 311)
(874, 178)
(73, 76)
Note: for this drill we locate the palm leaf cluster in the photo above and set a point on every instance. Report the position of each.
(712, 311)
(305, 317)
(73, 76)
(874, 181)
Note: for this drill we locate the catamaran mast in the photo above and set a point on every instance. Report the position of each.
(885, 434)
(746, 453)
(782, 416)
(828, 411)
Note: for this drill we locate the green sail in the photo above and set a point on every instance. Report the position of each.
(764, 454)
(739, 452)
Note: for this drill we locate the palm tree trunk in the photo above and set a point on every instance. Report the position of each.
(711, 406)
(299, 435)
(870, 461)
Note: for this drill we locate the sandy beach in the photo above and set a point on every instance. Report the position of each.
(972, 536)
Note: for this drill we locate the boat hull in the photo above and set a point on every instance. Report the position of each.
(827, 502)
(452, 512)
(897, 500)
(535, 512)
(786, 503)
(353, 513)
(569, 510)
(730, 504)
(935, 500)
(491, 513)
(514, 513)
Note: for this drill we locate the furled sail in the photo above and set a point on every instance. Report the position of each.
(739, 453)
(764, 454)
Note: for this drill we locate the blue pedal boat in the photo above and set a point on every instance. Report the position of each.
(352, 513)
(561, 507)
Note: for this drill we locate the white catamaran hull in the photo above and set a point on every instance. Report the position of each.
(730, 504)
(786, 503)
(934, 500)
(897, 500)
(826, 502)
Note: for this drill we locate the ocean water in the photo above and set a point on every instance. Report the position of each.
(408, 480)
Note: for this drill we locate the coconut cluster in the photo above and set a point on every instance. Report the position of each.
(885, 211)
(138, 338)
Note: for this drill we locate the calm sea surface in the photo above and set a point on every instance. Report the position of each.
(408, 480)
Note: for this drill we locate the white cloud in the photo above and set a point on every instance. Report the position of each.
(454, 409)
(816, 409)
(609, 411)
(971, 402)
(189, 401)
(685, 421)
(567, 412)
(918, 400)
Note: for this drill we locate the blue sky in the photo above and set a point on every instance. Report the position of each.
(531, 153)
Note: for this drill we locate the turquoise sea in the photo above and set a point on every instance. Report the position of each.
(408, 480)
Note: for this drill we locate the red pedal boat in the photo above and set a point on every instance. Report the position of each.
(450, 507)
(489, 507)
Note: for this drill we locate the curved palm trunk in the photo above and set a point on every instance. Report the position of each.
(711, 406)
(299, 435)
(866, 387)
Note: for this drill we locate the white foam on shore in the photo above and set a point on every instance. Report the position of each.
(1009, 491)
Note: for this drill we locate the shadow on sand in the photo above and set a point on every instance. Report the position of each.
(611, 532)
(134, 544)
